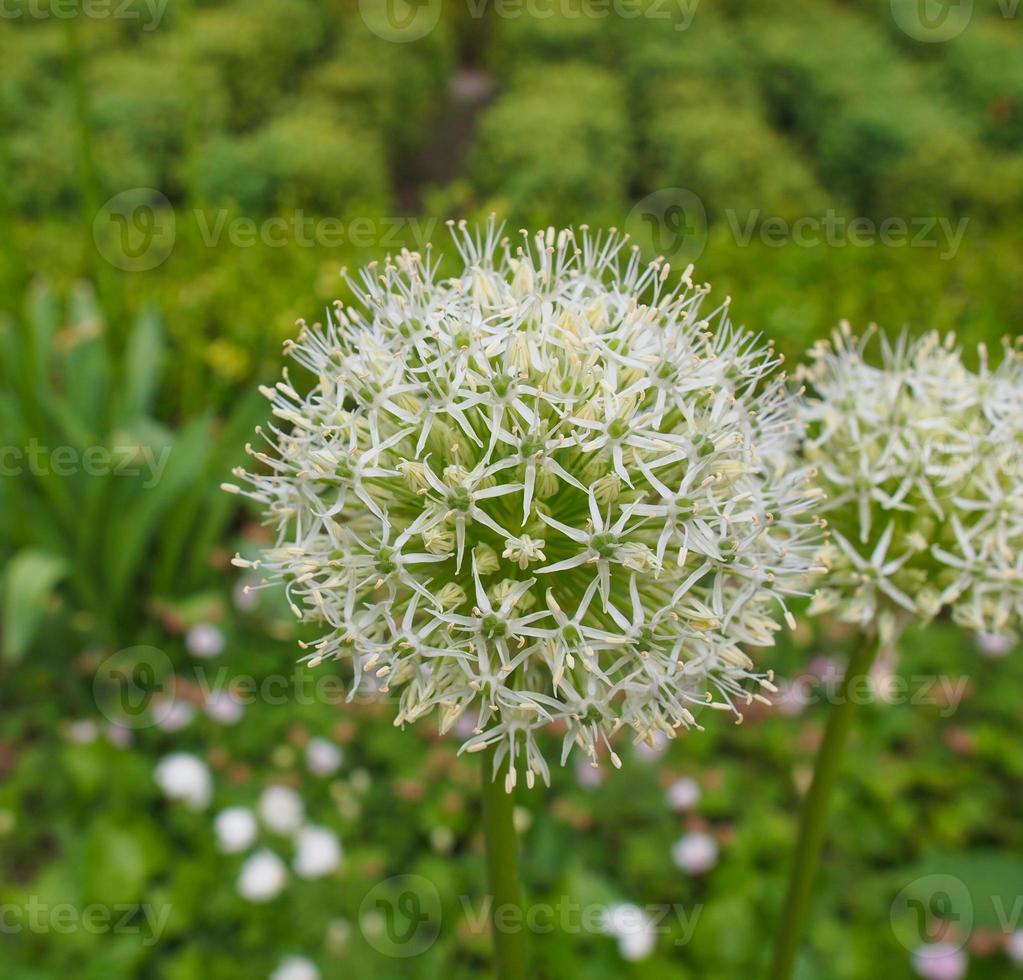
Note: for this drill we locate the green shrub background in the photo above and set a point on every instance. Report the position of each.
(245, 112)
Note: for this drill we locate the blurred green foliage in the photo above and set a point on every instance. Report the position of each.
(252, 111)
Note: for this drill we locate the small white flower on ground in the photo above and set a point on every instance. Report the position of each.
(174, 715)
(296, 968)
(120, 736)
(339, 931)
(236, 829)
(244, 594)
(651, 750)
(992, 645)
(683, 794)
(262, 877)
(322, 757)
(632, 927)
(442, 839)
(222, 707)
(1014, 947)
(281, 809)
(695, 853)
(204, 640)
(185, 777)
(82, 732)
(318, 852)
(940, 961)
(792, 698)
(587, 774)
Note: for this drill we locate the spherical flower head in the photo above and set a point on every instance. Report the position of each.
(919, 459)
(547, 491)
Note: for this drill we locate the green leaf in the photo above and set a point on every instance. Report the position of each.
(144, 359)
(117, 862)
(28, 583)
(132, 530)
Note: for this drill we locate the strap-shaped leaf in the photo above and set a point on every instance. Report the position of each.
(28, 583)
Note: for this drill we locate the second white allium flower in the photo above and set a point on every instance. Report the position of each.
(921, 460)
(548, 490)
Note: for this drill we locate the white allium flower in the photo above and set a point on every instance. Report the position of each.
(920, 459)
(236, 829)
(318, 852)
(683, 794)
(695, 853)
(185, 777)
(323, 757)
(204, 640)
(633, 929)
(281, 809)
(296, 968)
(262, 877)
(549, 489)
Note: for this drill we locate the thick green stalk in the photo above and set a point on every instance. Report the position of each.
(507, 925)
(814, 817)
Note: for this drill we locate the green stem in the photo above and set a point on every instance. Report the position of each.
(506, 922)
(814, 817)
